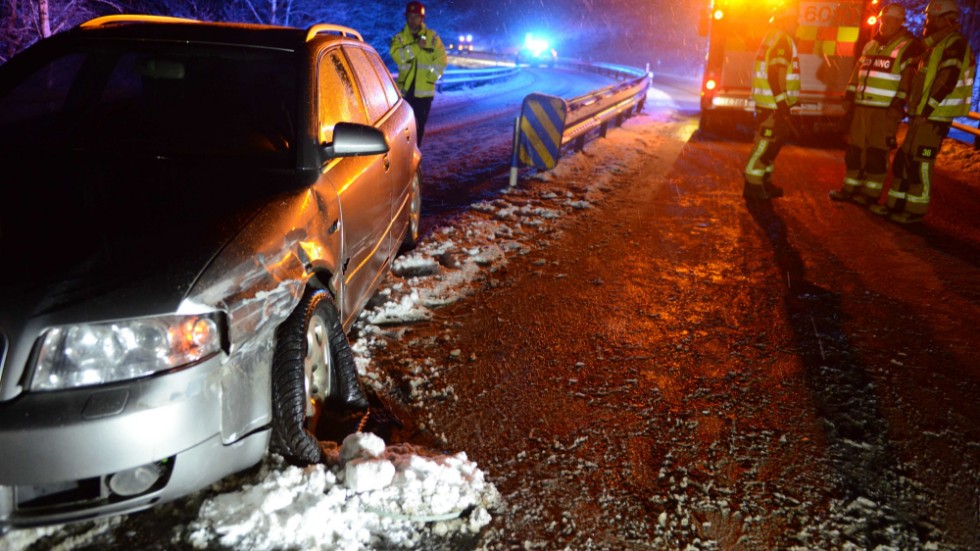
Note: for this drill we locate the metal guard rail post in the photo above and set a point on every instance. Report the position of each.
(973, 131)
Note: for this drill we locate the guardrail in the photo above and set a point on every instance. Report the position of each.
(548, 124)
(973, 131)
(614, 102)
(457, 78)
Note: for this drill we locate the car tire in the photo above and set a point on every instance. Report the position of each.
(310, 346)
(414, 213)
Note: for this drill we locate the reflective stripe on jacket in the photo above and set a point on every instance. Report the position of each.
(777, 49)
(418, 68)
(877, 77)
(924, 93)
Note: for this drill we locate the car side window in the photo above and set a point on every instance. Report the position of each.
(338, 99)
(388, 83)
(373, 93)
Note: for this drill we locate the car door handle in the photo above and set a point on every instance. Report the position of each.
(408, 134)
(387, 162)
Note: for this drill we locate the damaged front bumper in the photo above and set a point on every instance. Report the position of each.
(83, 453)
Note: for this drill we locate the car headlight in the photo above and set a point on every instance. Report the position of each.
(81, 355)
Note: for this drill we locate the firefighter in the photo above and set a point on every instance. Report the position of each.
(775, 89)
(941, 90)
(421, 59)
(876, 96)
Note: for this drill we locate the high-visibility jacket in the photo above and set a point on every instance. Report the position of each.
(942, 99)
(881, 75)
(777, 49)
(418, 68)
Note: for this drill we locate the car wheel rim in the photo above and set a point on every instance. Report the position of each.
(317, 365)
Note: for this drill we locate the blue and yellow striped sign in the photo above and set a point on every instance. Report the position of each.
(542, 126)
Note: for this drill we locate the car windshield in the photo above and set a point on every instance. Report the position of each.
(163, 99)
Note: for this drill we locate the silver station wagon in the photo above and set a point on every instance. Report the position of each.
(192, 216)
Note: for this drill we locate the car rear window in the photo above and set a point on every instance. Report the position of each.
(160, 98)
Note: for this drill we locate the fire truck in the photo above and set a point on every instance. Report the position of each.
(829, 40)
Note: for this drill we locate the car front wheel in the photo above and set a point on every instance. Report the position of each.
(309, 346)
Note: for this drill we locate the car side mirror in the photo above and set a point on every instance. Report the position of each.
(354, 140)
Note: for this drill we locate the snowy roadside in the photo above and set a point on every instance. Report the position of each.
(370, 494)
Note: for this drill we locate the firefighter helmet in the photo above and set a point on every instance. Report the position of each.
(893, 11)
(415, 8)
(938, 8)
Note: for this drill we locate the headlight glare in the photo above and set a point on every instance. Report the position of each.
(82, 355)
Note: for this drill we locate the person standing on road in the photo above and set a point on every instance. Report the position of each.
(876, 96)
(421, 59)
(941, 90)
(775, 89)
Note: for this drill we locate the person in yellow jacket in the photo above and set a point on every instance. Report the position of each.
(941, 90)
(421, 58)
(876, 96)
(775, 89)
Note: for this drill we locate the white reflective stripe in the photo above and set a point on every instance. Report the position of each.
(873, 185)
(779, 97)
(896, 194)
(950, 101)
(885, 76)
(873, 103)
(853, 182)
(794, 76)
(924, 200)
(880, 91)
(755, 172)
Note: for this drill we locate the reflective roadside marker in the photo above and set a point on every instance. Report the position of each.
(542, 124)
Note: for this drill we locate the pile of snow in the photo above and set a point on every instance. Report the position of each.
(373, 495)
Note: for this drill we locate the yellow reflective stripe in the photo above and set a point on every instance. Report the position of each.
(897, 195)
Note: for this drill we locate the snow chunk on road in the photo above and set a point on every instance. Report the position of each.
(373, 496)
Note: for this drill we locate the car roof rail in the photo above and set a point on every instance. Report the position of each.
(327, 28)
(107, 20)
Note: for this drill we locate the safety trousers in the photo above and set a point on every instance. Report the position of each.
(869, 142)
(770, 135)
(913, 168)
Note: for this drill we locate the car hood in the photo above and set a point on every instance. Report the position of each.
(118, 235)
